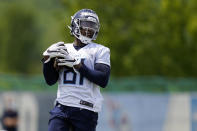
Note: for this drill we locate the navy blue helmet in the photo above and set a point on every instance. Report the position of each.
(85, 25)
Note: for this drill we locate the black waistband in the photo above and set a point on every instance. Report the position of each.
(69, 107)
(82, 102)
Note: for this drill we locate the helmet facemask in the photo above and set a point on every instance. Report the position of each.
(88, 31)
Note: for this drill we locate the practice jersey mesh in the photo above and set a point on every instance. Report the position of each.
(73, 87)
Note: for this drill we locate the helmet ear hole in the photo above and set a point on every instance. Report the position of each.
(76, 31)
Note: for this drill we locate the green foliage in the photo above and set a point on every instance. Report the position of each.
(19, 40)
(24, 34)
(147, 37)
(155, 37)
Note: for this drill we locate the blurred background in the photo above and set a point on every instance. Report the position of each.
(153, 47)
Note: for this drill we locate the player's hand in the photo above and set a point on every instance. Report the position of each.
(68, 62)
(55, 50)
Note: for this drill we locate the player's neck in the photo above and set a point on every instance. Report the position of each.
(77, 42)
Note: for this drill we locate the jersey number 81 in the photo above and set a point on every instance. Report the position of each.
(73, 80)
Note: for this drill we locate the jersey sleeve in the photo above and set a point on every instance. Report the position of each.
(103, 56)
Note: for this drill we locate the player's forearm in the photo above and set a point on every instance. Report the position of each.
(99, 76)
(50, 74)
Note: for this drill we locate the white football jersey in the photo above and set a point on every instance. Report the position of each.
(74, 89)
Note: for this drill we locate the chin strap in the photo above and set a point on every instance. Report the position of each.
(84, 39)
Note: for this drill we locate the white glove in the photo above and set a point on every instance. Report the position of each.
(68, 62)
(55, 50)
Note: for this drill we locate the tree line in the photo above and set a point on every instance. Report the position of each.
(155, 37)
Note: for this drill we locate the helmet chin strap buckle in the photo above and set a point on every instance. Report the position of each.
(84, 39)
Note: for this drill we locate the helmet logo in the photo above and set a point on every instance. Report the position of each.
(88, 14)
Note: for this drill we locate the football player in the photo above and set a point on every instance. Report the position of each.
(80, 68)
